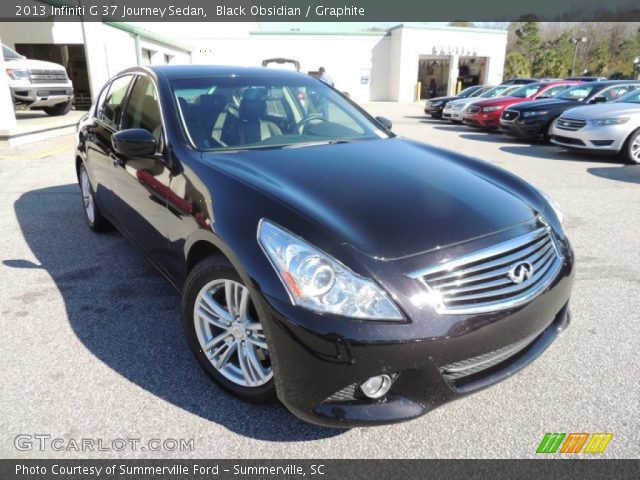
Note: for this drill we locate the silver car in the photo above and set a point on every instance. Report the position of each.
(607, 127)
(454, 110)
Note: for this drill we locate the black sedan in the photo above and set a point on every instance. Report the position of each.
(434, 106)
(359, 277)
(533, 119)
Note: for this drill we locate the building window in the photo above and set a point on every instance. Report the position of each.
(167, 58)
(146, 56)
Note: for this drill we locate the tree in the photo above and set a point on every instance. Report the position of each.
(516, 65)
(529, 42)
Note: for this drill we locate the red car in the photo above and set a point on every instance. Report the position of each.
(486, 113)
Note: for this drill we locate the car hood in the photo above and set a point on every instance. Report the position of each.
(542, 104)
(441, 99)
(603, 110)
(388, 198)
(28, 64)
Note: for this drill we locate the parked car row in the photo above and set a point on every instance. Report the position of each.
(568, 113)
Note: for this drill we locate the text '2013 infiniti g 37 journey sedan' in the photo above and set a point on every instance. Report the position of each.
(359, 277)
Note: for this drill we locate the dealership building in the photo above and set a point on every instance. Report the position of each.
(402, 64)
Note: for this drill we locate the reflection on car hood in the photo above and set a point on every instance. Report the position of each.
(542, 104)
(604, 110)
(29, 64)
(387, 198)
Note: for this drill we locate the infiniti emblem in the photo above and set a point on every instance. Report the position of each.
(520, 272)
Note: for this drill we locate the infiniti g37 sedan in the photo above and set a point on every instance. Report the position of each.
(358, 277)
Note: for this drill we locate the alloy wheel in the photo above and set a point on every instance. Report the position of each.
(634, 149)
(87, 196)
(229, 334)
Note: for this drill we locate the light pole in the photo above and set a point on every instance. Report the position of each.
(576, 41)
(636, 65)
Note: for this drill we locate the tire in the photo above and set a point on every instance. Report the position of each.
(631, 149)
(234, 356)
(92, 214)
(58, 110)
(546, 135)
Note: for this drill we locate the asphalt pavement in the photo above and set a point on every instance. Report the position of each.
(92, 343)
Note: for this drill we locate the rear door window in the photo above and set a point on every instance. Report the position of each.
(111, 109)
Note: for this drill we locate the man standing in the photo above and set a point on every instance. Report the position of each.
(324, 77)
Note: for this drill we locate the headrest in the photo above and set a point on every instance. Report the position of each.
(211, 102)
(252, 109)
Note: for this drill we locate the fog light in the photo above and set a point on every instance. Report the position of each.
(376, 387)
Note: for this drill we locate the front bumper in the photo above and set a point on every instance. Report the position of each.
(524, 128)
(319, 361)
(608, 139)
(41, 95)
(454, 115)
(483, 120)
(434, 111)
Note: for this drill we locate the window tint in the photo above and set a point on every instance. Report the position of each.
(577, 93)
(143, 110)
(110, 110)
(526, 91)
(553, 91)
(257, 112)
(614, 93)
(632, 97)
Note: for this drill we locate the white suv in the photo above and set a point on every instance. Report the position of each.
(38, 85)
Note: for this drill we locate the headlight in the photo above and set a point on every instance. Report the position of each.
(602, 122)
(316, 281)
(17, 74)
(535, 113)
(554, 205)
(492, 109)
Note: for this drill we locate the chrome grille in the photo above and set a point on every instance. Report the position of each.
(48, 76)
(471, 366)
(472, 110)
(573, 124)
(510, 114)
(503, 276)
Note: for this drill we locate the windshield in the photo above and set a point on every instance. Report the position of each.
(495, 91)
(9, 54)
(631, 97)
(577, 93)
(469, 92)
(222, 113)
(526, 91)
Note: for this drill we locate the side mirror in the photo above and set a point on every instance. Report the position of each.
(385, 122)
(598, 99)
(134, 142)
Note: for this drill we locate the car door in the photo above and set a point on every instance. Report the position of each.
(141, 183)
(98, 139)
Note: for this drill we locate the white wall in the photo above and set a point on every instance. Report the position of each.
(108, 49)
(444, 41)
(346, 58)
(7, 118)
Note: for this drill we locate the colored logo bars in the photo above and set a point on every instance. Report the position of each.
(573, 443)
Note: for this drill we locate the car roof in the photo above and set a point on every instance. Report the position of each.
(182, 71)
(611, 82)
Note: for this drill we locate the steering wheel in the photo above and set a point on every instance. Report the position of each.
(302, 123)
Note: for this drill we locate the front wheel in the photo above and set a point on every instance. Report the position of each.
(92, 214)
(59, 109)
(631, 149)
(225, 333)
